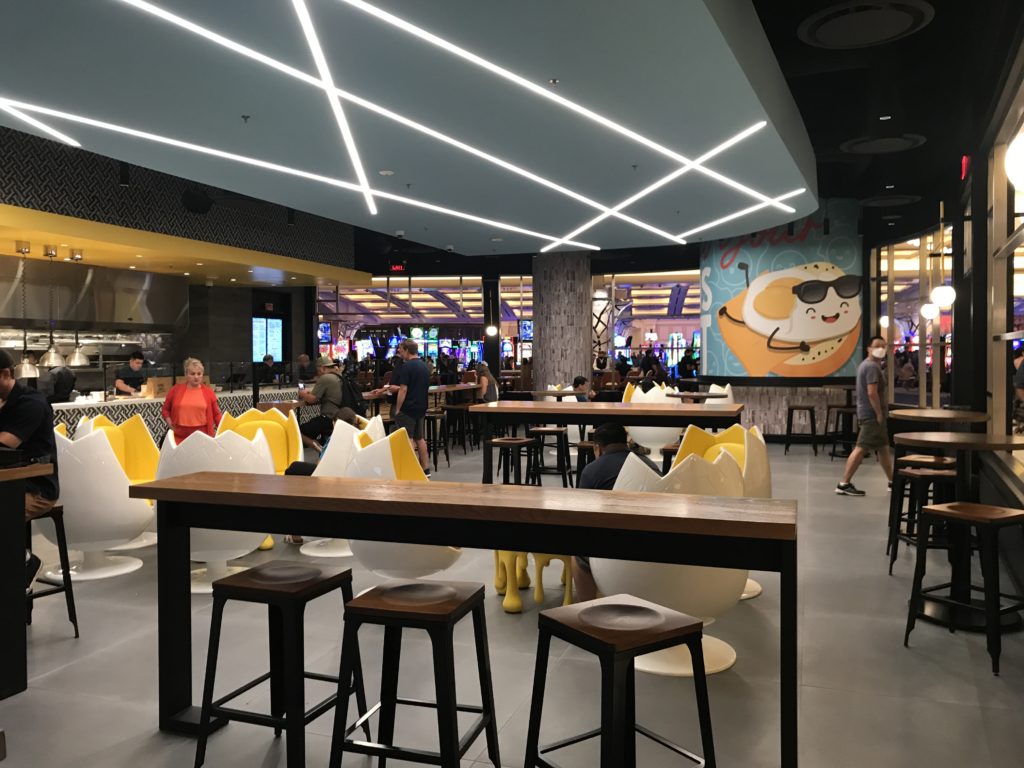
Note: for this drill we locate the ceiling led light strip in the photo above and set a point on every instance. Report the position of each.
(662, 182)
(38, 124)
(264, 164)
(738, 214)
(611, 125)
(332, 97)
(298, 74)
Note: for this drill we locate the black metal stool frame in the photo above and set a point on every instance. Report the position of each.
(56, 515)
(618, 700)
(452, 747)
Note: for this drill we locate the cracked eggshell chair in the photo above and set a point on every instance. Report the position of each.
(86, 424)
(335, 460)
(698, 591)
(726, 390)
(98, 514)
(229, 451)
(650, 437)
(394, 459)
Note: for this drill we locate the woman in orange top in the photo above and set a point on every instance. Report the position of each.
(191, 406)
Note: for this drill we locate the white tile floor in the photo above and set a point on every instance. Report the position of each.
(865, 700)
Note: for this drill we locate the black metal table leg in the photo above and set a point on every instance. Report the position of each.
(13, 648)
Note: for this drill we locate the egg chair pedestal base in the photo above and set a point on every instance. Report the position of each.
(751, 590)
(203, 578)
(146, 539)
(327, 548)
(675, 662)
(94, 566)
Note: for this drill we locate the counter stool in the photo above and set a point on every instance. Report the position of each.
(668, 454)
(941, 483)
(986, 521)
(458, 420)
(561, 446)
(923, 461)
(510, 454)
(434, 606)
(584, 455)
(57, 516)
(618, 629)
(436, 425)
(285, 587)
(809, 410)
(835, 418)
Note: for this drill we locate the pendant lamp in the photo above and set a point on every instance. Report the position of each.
(52, 357)
(25, 369)
(78, 358)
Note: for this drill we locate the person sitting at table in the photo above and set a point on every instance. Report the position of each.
(601, 361)
(611, 449)
(622, 365)
(26, 424)
(131, 377)
(267, 373)
(190, 405)
(487, 383)
(328, 394)
(872, 405)
(581, 386)
(306, 369)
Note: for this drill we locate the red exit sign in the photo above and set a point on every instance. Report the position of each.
(397, 267)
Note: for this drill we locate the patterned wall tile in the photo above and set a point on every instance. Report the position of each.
(562, 311)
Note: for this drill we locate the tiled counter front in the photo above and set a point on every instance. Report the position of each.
(235, 403)
(765, 407)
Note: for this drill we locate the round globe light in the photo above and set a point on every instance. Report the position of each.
(943, 295)
(929, 311)
(491, 330)
(1014, 162)
(883, 321)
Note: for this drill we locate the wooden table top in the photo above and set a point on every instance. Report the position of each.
(939, 415)
(694, 396)
(559, 393)
(29, 470)
(545, 408)
(962, 441)
(653, 512)
(433, 389)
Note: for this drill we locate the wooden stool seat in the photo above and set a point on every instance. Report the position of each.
(926, 472)
(285, 587)
(548, 430)
(902, 525)
(923, 460)
(620, 623)
(511, 442)
(977, 514)
(617, 629)
(435, 606)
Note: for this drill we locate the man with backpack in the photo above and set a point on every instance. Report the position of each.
(328, 394)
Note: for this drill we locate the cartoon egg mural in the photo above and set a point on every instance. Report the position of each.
(798, 321)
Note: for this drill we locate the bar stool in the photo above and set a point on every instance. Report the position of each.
(285, 588)
(510, 454)
(941, 483)
(434, 606)
(986, 521)
(924, 461)
(618, 629)
(584, 455)
(436, 424)
(668, 454)
(809, 410)
(561, 446)
(835, 417)
(458, 419)
(56, 514)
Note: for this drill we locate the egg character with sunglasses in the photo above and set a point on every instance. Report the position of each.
(799, 321)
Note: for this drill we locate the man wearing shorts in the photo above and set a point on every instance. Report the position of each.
(413, 381)
(872, 405)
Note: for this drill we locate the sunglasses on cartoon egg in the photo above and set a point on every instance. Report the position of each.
(810, 292)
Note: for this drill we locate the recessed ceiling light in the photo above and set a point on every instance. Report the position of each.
(892, 223)
(883, 118)
(497, 239)
(890, 186)
(250, 271)
(63, 245)
(187, 274)
(553, 81)
(233, 280)
(131, 267)
(386, 172)
(138, 255)
(67, 258)
(199, 263)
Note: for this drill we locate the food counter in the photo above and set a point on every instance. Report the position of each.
(123, 408)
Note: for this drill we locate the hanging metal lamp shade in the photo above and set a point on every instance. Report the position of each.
(52, 357)
(24, 369)
(78, 358)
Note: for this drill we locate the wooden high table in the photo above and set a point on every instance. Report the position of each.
(758, 534)
(696, 397)
(523, 412)
(435, 389)
(13, 648)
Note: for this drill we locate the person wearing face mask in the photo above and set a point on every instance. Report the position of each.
(872, 405)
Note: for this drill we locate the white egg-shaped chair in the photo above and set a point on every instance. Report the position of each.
(394, 459)
(699, 591)
(335, 460)
(719, 390)
(227, 452)
(98, 514)
(652, 438)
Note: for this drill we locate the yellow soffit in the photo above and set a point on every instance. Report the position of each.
(108, 245)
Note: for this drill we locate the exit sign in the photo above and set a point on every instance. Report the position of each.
(397, 267)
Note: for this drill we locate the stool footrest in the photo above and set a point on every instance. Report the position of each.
(643, 731)
(217, 708)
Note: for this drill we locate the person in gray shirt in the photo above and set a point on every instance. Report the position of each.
(872, 412)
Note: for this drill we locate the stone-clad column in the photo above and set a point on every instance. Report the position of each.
(561, 318)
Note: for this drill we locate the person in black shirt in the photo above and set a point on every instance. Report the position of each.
(413, 382)
(611, 450)
(266, 373)
(622, 365)
(130, 378)
(62, 381)
(307, 371)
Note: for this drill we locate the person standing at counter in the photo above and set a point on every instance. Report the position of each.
(307, 371)
(131, 377)
(266, 373)
(191, 406)
(872, 405)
